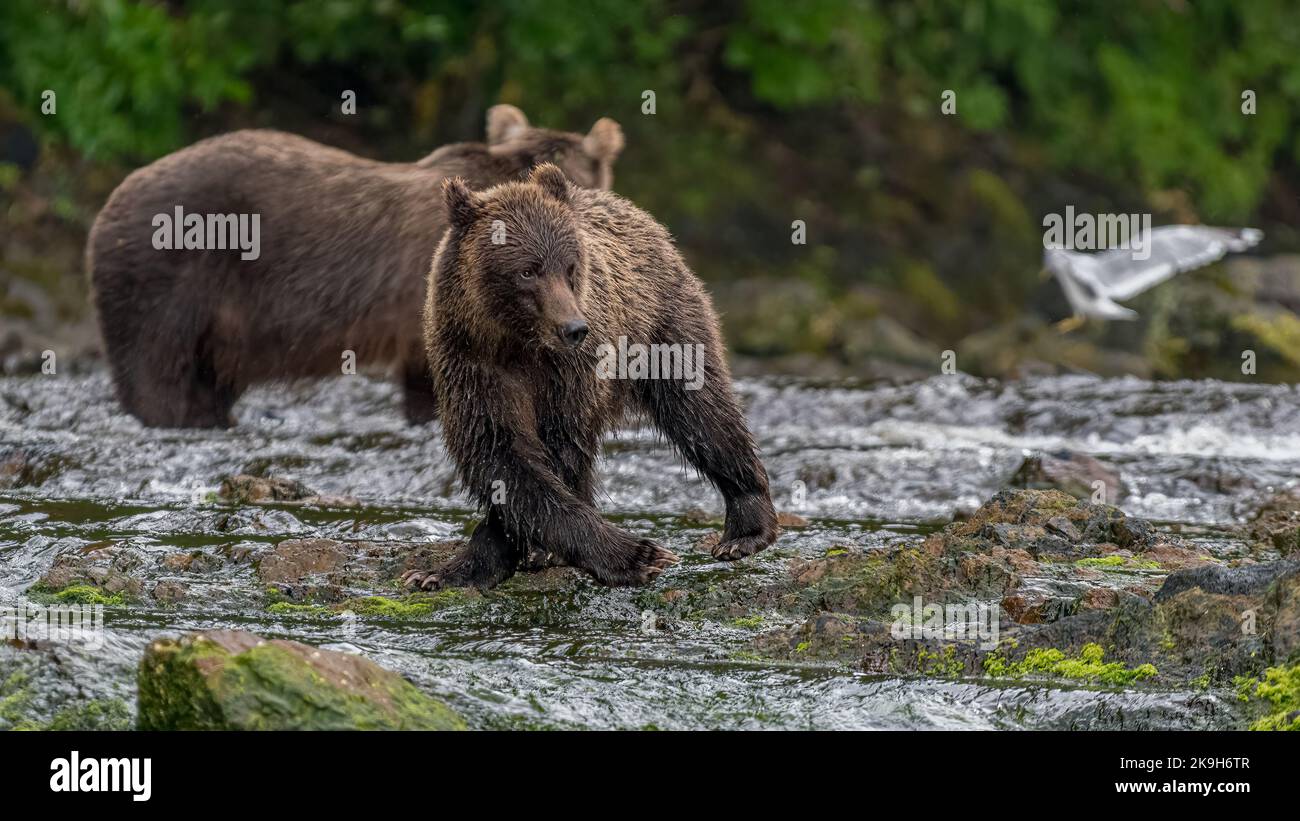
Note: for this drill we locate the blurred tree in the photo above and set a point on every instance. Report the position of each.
(766, 111)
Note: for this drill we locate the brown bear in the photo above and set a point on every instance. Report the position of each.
(539, 294)
(335, 268)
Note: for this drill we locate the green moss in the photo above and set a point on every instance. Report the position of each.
(1116, 562)
(99, 714)
(75, 594)
(1279, 693)
(88, 594)
(413, 606)
(870, 584)
(18, 710)
(944, 664)
(197, 684)
(1050, 662)
(15, 699)
(802, 647)
(285, 607)
(748, 622)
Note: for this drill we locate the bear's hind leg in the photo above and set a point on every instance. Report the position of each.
(166, 389)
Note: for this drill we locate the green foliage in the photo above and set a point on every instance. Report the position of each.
(1152, 95)
(828, 111)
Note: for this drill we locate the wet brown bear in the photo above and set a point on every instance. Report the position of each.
(345, 245)
(532, 287)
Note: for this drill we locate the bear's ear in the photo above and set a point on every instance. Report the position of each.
(605, 140)
(504, 122)
(462, 203)
(552, 181)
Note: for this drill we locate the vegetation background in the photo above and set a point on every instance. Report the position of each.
(924, 230)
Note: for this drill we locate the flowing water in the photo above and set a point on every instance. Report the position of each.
(867, 464)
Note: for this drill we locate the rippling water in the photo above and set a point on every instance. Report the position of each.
(868, 464)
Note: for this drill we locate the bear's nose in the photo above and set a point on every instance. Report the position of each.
(574, 331)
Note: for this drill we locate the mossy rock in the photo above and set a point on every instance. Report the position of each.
(1278, 695)
(233, 680)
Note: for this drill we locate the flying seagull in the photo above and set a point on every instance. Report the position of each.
(1093, 282)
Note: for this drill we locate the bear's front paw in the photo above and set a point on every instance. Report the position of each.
(456, 572)
(638, 561)
(435, 579)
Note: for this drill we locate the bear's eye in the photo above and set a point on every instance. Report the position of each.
(526, 274)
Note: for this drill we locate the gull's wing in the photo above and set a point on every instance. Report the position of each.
(1174, 248)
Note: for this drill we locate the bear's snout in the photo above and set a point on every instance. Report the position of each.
(573, 332)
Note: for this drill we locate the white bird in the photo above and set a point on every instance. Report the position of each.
(1093, 282)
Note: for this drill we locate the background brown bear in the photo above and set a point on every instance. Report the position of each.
(528, 284)
(345, 248)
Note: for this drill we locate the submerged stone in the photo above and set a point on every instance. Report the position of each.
(233, 680)
(1077, 474)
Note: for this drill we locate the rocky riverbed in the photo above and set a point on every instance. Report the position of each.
(1054, 553)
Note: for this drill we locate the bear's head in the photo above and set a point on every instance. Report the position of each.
(520, 262)
(586, 159)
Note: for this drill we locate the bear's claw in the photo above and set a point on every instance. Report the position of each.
(422, 579)
(646, 561)
(733, 549)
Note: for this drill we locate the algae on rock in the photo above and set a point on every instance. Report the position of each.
(232, 680)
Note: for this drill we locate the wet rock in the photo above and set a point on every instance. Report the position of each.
(787, 519)
(987, 556)
(699, 517)
(245, 489)
(868, 583)
(823, 637)
(1077, 474)
(39, 691)
(1248, 580)
(256, 489)
(30, 466)
(1048, 525)
(197, 561)
(169, 592)
(232, 680)
(1099, 598)
(111, 570)
(292, 560)
(1277, 523)
(1066, 576)
(1037, 607)
(1209, 623)
(1064, 528)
